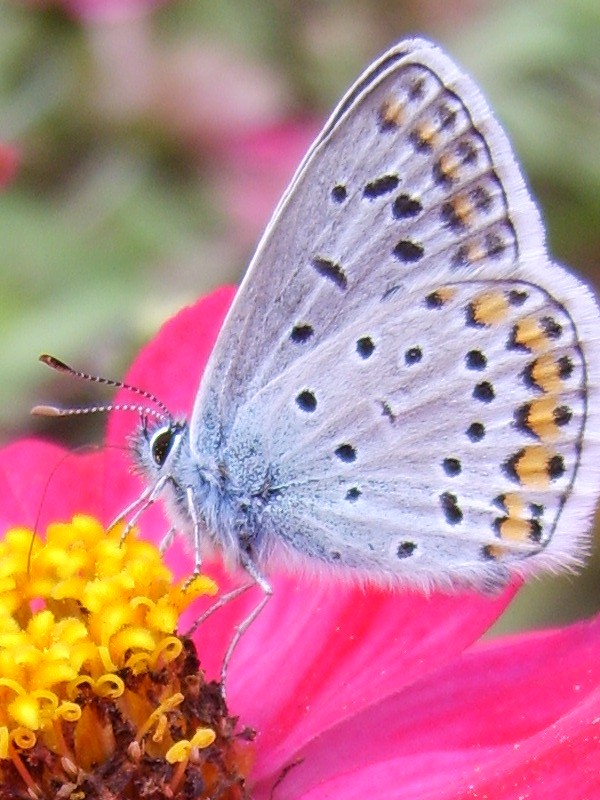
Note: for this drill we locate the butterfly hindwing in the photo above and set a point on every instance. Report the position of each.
(384, 439)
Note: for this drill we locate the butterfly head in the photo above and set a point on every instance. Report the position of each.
(159, 441)
(157, 446)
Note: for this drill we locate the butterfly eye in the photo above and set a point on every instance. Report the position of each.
(161, 444)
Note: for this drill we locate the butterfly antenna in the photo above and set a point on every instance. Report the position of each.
(54, 411)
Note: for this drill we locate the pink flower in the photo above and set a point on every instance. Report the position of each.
(353, 693)
(257, 166)
(9, 163)
(100, 10)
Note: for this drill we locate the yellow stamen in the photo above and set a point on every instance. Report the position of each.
(89, 652)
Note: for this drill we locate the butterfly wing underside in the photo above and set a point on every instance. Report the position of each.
(412, 376)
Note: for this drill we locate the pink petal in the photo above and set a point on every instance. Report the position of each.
(257, 167)
(496, 723)
(100, 10)
(322, 653)
(10, 158)
(41, 482)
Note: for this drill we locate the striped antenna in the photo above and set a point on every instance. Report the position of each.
(53, 411)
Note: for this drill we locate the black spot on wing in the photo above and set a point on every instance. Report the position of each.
(562, 416)
(450, 508)
(365, 347)
(517, 297)
(405, 207)
(381, 186)
(551, 327)
(475, 360)
(406, 549)
(476, 431)
(301, 333)
(408, 251)
(331, 270)
(452, 467)
(556, 467)
(565, 367)
(339, 193)
(346, 453)
(306, 401)
(413, 355)
(484, 392)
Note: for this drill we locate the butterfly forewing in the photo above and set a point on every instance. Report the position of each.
(402, 183)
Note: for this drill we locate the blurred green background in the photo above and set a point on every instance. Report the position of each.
(149, 142)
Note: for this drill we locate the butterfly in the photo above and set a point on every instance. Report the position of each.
(405, 390)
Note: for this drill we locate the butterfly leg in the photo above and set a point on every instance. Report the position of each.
(141, 503)
(259, 580)
(222, 601)
(165, 542)
(141, 500)
(197, 535)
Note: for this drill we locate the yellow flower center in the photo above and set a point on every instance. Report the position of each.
(93, 675)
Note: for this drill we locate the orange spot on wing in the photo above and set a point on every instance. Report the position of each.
(463, 209)
(447, 165)
(490, 308)
(446, 293)
(530, 334)
(513, 504)
(517, 525)
(515, 530)
(392, 112)
(545, 373)
(541, 419)
(427, 134)
(532, 467)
